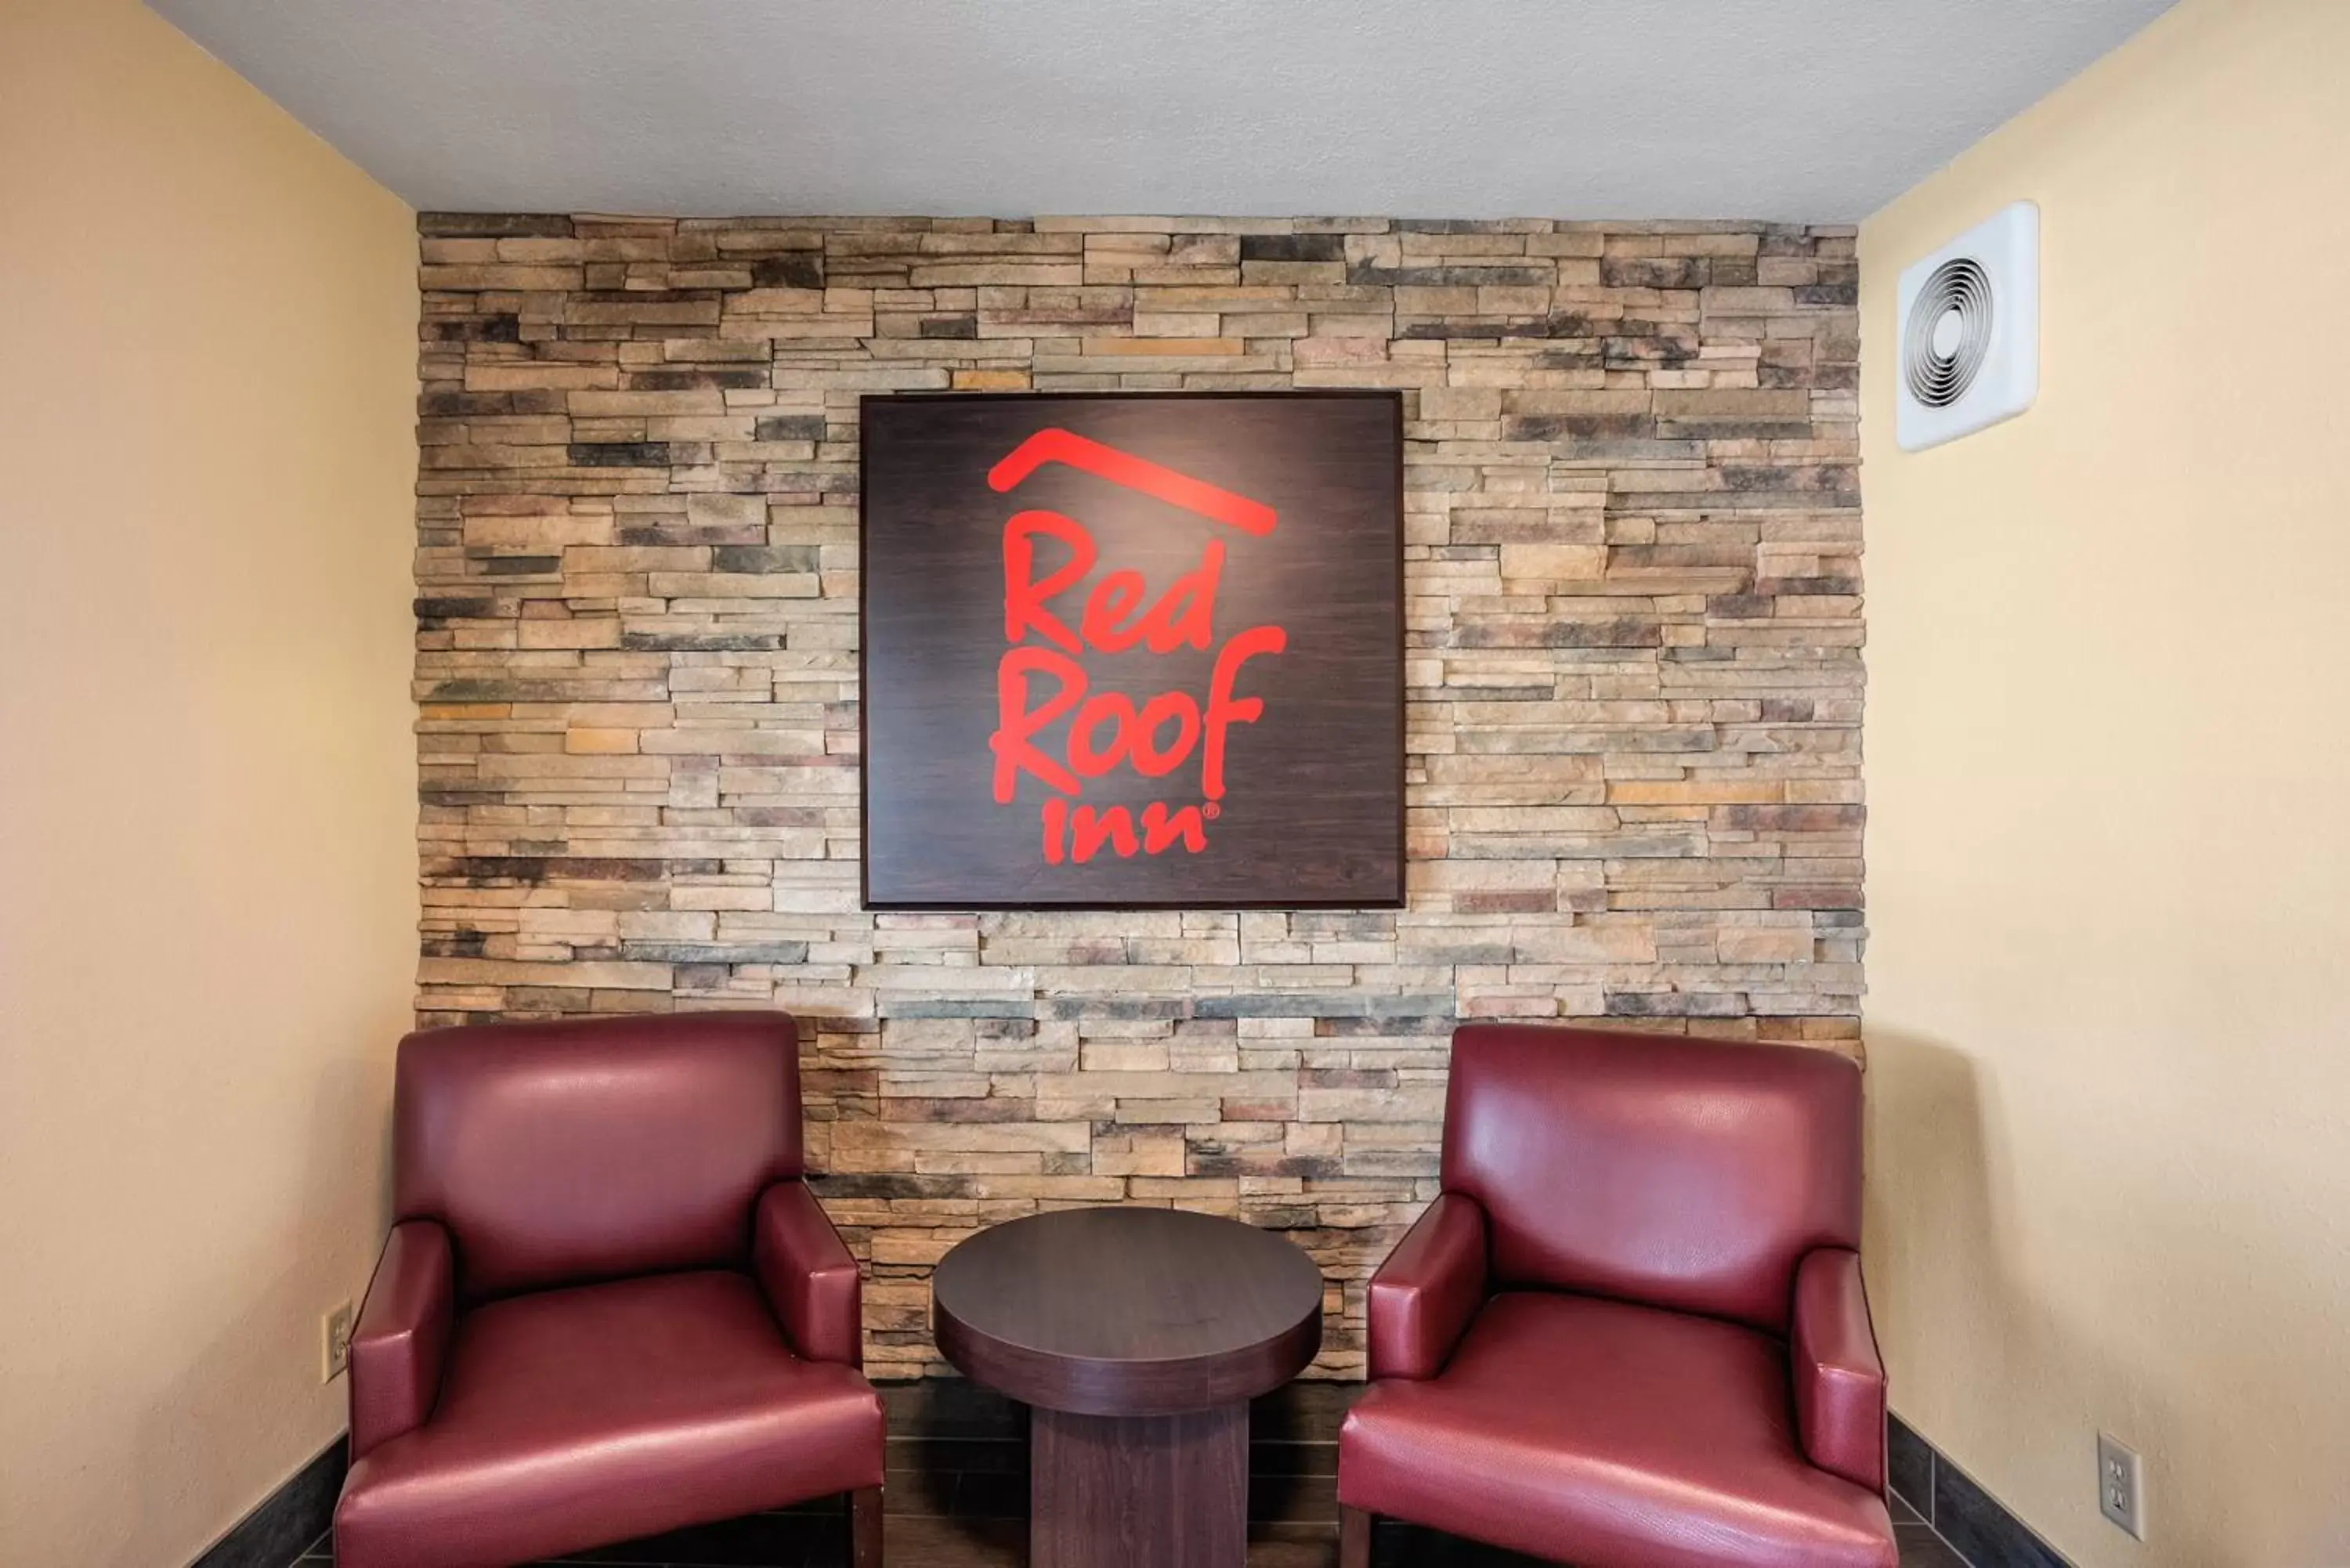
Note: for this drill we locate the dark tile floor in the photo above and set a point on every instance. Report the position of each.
(958, 1495)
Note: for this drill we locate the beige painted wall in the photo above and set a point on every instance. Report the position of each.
(207, 790)
(2109, 843)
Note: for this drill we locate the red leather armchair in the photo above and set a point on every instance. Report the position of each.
(1631, 1332)
(609, 1305)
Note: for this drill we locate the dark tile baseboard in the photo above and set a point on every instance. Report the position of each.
(1976, 1525)
(287, 1520)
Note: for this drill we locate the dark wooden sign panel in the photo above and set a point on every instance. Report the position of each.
(1133, 652)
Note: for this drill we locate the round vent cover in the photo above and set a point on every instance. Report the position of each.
(1948, 333)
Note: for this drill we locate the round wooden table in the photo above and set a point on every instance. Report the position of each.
(1138, 1336)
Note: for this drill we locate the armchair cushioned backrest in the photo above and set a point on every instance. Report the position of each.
(561, 1152)
(1681, 1173)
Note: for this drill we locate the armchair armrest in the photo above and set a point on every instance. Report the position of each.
(1423, 1296)
(1839, 1380)
(402, 1336)
(808, 1276)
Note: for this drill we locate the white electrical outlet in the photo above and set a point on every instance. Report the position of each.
(335, 1342)
(2121, 1495)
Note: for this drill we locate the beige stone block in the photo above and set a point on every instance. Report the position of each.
(601, 975)
(479, 277)
(583, 631)
(1029, 274)
(1567, 243)
(1425, 299)
(704, 510)
(537, 375)
(693, 585)
(1194, 324)
(882, 1139)
(1461, 403)
(536, 534)
(1138, 1154)
(1234, 300)
(1187, 347)
(607, 405)
(776, 301)
(1734, 403)
(592, 741)
(1127, 1085)
(1616, 400)
(1763, 944)
(1404, 1102)
(735, 742)
(1696, 792)
(1553, 562)
(1513, 300)
(1746, 301)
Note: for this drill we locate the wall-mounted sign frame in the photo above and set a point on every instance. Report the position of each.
(1132, 651)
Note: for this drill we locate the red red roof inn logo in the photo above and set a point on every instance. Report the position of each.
(1138, 651)
(1039, 678)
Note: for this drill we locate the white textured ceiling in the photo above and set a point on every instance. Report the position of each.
(1814, 110)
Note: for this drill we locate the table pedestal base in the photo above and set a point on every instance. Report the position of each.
(1139, 1491)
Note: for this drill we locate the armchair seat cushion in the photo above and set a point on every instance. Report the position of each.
(573, 1417)
(1610, 1436)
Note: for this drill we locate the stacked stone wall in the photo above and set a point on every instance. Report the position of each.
(1634, 612)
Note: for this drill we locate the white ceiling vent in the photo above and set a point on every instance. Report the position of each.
(1969, 318)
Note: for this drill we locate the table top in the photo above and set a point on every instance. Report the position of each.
(1127, 1312)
